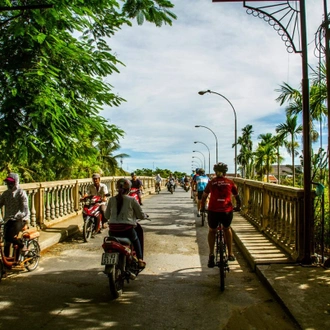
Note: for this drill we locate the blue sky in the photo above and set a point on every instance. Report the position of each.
(215, 46)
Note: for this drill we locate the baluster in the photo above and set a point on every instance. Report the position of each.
(57, 203)
(64, 200)
(33, 212)
(60, 197)
(47, 204)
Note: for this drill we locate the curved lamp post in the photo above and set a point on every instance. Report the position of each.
(235, 117)
(216, 141)
(202, 155)
(201, 162)
(209, 154)
(194, 163)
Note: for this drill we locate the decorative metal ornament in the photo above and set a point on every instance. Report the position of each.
(283, 16)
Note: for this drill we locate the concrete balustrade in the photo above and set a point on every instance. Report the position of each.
(277, 211)
(55, 201)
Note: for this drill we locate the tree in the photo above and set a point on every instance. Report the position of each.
(265, 154)
(290, 129)
(245, 156)
(52, 68)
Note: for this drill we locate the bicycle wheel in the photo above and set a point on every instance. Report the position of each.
(31, 259)
(220, 258)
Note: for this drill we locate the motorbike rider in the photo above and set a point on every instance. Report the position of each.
(123, 209)
(158, 180)
(220, 208)
(200, 183)
(137, 183)
(17, 212)
(171, 181)
(99, 189)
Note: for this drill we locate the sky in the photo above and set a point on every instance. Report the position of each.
(211, 46)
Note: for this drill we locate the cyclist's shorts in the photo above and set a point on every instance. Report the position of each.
(214, 218)
(199, 195)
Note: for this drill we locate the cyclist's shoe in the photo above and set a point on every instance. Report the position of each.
(198, 214)
(231, 258)
(211, 263)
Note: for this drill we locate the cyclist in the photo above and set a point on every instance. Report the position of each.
(200, 183)
(220, 208)
(158, 180)
(99, 189)
(193, 186)
(17, 212)
(137, 183)
(123, 209)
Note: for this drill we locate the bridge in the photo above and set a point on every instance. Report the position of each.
(303, 291)
(272, 214)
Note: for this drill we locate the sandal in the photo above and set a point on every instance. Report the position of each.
(231, 258)
(141, 264)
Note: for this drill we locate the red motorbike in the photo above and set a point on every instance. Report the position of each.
(134, 192)
(119, 258)
(92, 216)
(18, 261)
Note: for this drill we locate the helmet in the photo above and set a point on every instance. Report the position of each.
(197, 169)
(123, 186)
(201, 171)
(220, 167)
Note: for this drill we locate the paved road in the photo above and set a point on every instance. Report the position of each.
(175, 291)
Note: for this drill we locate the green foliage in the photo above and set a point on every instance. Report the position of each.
(164, 173)
(53, 64)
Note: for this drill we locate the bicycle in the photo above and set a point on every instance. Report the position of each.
(18, 261)
(221, 256)
(157, 187)
(221, 253)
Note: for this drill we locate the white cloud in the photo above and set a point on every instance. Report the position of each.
(213, 46)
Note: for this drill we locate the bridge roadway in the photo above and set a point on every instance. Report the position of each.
(303, 291)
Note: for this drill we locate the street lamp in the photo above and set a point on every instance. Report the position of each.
(194, 164)
(202, 155)
(235, 117)
(201, 162)
(216, 141)
(209, 154)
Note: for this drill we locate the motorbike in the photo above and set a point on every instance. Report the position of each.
(92, 216)
(134, 192)
(119, 258)
(171, 187)
(186, 186)
(17, 261)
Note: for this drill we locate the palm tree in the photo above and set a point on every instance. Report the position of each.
(290, 129)
(245, 156)
(265, 154)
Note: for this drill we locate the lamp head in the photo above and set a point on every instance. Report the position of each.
(197, 126)
(195, 141)
(203, 92)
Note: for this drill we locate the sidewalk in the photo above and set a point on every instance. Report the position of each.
(303, 291)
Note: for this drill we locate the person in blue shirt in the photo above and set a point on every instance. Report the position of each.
(201, 181)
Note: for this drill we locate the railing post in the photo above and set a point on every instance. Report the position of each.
(265, 208)
(40, 206)
(112, 187)
(300, 229)
(76, 196)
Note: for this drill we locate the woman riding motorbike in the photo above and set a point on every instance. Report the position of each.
(123, 209)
